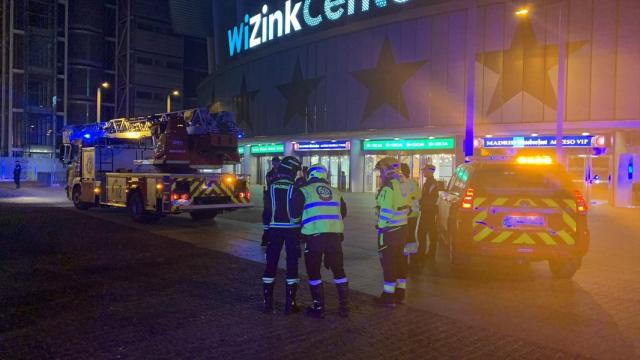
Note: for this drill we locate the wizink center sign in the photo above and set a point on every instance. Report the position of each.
(266, 26)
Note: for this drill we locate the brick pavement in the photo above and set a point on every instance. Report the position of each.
(101, 290)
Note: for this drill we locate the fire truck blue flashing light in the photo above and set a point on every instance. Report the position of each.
(630, 169)
(87, 136)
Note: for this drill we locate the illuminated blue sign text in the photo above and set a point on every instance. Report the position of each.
(322, 145)
(264, 26)
(537, 141)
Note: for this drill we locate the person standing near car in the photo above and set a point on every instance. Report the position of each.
(392, 208)
(282, 229)
(427, 224)
(17, 172)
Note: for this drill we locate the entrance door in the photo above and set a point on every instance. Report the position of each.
(591, 175)
(337, 166)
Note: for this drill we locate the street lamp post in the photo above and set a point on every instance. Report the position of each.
(173, 93)
(560, 111)
(523, 12)
(104, 85)
(472, 11)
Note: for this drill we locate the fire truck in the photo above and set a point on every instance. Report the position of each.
(156, 165)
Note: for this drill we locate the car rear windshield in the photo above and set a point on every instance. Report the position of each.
(521, 179)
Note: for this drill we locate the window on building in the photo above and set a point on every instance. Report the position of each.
(109, 22)
(109, 55)
(144, 95)
(174, 65)
(144, 26)
(18, 54)
(144, 60)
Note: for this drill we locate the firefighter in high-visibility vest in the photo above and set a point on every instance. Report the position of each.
(323, 210)
(411, 246)
(393, 207)
(282, 228)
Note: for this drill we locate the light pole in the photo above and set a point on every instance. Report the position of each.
(472, 11)
(104, 85)
(173, 93)
(523, 12)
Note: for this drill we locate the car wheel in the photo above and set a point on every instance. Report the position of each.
(75, 196)
(137, 212)
(565, 268)
(203, 215)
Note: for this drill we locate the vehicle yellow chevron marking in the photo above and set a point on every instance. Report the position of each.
(524, 239)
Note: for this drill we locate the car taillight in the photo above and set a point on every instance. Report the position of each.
(581, 205)
(467, 200)
(185, 196)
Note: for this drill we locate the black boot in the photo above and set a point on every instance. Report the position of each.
(386, 300)
(399, 296)
(290, 305)
(343, 298)
(267, 292)
(316, 309)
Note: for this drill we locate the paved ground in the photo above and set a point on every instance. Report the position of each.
(597, 314)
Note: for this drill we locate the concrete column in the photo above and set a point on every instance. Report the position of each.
(288, 149)
(459, 146)
(246, 161)
(621, 185)
(356, 166)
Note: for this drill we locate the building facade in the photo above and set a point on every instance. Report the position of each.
(57, 53)
(391, 77)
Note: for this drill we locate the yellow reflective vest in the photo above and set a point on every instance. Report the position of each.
(321, 213)
(393, 203)
(415, 194)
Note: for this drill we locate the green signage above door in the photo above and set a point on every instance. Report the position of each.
(267, 149)
(409, 144)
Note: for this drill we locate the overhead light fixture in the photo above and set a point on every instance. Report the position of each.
(522, 12)
(586, 134)
(535, 134)
(431, 137)
(488, 136)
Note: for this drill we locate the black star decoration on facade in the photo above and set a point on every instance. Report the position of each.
(385, 82)
(243, 102)
(524, 67)
(297, 93)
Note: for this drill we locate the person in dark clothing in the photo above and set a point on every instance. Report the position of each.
(282, 229)
(427, 223)
(270, 178)
(17, 171)
(273, 173)
(301, 180)
(322, 210)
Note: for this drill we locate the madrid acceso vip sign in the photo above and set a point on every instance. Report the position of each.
(379, 179)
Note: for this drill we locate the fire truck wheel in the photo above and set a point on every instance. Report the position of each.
(136, 209)
(76, 199)
(565, 268)
(203, 215)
